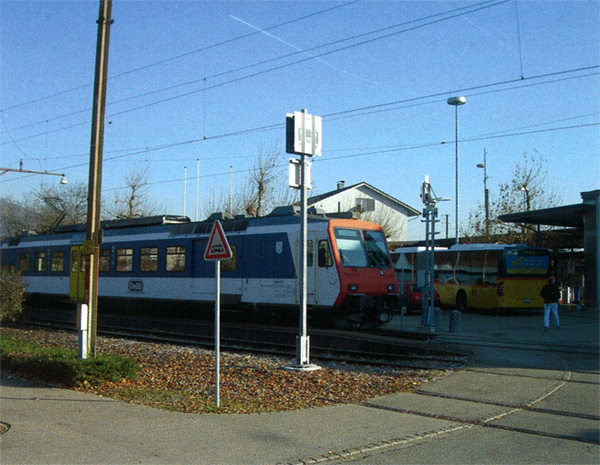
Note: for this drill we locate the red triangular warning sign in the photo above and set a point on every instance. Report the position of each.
(218, 246)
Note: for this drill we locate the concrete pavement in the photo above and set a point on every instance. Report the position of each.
(526, 397)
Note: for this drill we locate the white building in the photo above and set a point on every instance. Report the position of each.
(368, 203)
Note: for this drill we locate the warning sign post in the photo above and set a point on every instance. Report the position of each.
(217, 249)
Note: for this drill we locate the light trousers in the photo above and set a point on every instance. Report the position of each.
(551, 308)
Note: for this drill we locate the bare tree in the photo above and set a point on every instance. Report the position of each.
(265, 188)
(134, 202)
(44, 209)
(392, 227)
(529, 189)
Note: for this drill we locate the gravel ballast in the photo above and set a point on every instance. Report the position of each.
(182, 378)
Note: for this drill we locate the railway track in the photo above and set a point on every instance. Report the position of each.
(330, 345)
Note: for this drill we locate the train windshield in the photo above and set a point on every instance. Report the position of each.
(362, 248)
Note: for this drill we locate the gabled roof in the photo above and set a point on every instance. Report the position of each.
(317, 198)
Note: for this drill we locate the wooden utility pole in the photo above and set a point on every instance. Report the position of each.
(93, 233)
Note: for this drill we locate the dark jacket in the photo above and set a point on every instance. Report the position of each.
(550, 293)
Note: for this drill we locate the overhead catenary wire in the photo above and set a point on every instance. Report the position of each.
(357, 112)
(378, 151)
(167, 60)
(451, 14)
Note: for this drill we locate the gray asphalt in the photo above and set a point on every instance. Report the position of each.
(527, 396)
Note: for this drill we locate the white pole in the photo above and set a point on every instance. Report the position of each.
(184, 187)
(456, 180)
(302, 357)
(197, 186)
(231, 189)
(217, 330)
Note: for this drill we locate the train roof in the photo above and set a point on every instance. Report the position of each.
(170, 225)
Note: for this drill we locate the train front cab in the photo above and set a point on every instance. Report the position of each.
(368, 284)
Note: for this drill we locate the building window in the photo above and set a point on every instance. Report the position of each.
(40, 261)
(365, 205)
(149, 259)
(104, 260)
(176, 258)
(57, 261)
(124, 259)
(24, 262)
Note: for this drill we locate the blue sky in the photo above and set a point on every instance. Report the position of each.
(205, 80)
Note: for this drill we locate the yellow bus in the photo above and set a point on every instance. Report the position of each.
(492, 276)
(481, 276)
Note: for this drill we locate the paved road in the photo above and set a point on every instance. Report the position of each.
(526, 397)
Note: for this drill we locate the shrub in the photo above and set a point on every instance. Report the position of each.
(62, 366)
(12, 295)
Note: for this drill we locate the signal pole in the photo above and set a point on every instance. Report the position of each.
(91, 246)
(303, 137)
(430, 213)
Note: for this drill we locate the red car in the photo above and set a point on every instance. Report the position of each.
(413, 296)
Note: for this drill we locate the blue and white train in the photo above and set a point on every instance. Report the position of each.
(158, 262)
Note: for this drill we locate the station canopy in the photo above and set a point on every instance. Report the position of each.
(568, 216)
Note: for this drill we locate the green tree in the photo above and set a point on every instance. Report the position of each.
(12, 290)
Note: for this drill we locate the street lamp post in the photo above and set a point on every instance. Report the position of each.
(486, 193)
(527, 201)
(63, 178)
(456, 101)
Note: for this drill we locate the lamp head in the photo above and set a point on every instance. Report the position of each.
(457, 101)
(63, 180)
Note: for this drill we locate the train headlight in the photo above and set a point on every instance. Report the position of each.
(391, 288)
(353, 287)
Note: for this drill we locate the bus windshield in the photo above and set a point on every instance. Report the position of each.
(362, 248)
(526, 262)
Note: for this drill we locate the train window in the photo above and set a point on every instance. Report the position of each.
(24, 262)
(325, 258)
(176, 258)
(104, 260)
(350, 246)
(57, 261)
(231, 263)
(74, 256)
(40, 261)
(124, 259)
(149, 259)
(310, 253)
(377, 249)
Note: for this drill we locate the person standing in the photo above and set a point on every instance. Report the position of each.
(550, 293)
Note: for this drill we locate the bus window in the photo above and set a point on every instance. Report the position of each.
(526, 262)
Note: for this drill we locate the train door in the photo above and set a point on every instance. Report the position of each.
(321, 276)
(326, 281)
(77, 274)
